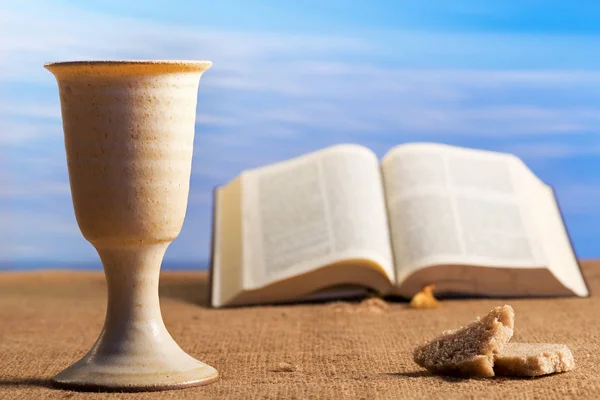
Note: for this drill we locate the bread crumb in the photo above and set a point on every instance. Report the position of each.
(340, 306)
(374, 305)
(425, 298)
(285, 367)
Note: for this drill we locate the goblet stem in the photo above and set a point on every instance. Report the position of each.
(132, 275)
(133, 316)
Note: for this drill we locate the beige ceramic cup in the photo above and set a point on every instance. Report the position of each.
(129, 132)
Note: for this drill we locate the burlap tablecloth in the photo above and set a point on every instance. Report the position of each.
(336, 350)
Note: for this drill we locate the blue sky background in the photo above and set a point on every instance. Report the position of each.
(292, 77)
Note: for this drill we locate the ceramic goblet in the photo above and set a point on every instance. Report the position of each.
(129, 132)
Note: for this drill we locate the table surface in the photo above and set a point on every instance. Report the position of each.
(49, 319)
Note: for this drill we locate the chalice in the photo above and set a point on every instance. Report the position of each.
(129, 131)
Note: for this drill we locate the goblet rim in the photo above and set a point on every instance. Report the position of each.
(83, 68)
(196, 63)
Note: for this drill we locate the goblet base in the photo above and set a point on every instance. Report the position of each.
(152, 372)
(89, 378)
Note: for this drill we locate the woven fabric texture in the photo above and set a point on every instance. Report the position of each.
(338, 350)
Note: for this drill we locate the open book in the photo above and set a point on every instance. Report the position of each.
(471, 222)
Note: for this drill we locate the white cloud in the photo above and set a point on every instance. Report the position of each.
(19, 190)
(32, 251)
(269, 96)
(466, 76)
(59, 33)
(299, 81)
(484, 121)
(206, 119)
(44, 110)
(36, 223)
(579, 198)
(200, 198)
(205, 168)
(545, 150)
(16, 132)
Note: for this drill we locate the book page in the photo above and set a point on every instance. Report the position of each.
(312, 211)
(449, 205)
(562, 261)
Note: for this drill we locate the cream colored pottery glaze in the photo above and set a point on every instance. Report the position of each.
(129, 132)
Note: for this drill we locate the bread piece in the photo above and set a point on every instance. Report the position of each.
(470, 350)
(533, 359)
